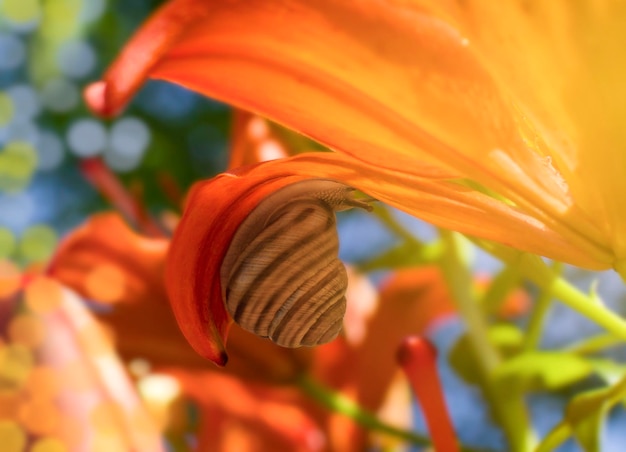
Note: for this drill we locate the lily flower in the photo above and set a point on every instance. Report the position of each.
(503, 122)
(104, 253)
(63, 385)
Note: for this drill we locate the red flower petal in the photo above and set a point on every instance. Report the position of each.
(214, 211)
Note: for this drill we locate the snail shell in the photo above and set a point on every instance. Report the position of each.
(281, 277)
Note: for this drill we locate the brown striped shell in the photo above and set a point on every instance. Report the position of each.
(281, 277)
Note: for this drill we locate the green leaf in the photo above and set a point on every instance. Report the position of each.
(608, 370)
(396, 257)
(555, 438)
(544, 370)
(586, 413)
(463, 360)
(584, 417)
(508, 338)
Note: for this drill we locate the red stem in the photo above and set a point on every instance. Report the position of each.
(418, 359)
(112, 189)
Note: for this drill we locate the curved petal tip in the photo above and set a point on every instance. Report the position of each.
(95, 97)
(222, 359)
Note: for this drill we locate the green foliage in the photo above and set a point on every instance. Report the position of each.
(542, 370)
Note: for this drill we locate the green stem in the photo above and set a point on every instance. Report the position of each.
(393, 225)
(535, 325)
(541, 308)
(582, 409)
(555, 438)
(459, 283)
(589, 307)
(338, 403)
(506, 402)
(594, 344)
(538, 272)
(506, 281)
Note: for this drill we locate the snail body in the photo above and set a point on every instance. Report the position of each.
(281, 277)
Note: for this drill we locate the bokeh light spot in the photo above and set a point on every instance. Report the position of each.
(10, 279)
(50, 151)
(18, 161)
(129, 139)
(27, 330)
(97, 339)
(60, 95)
(39, 417)
(130, 136)
(16, 362)
(26, 100)
(166, 100)
(139, 367)
(104, 417)
(86, 137)
(159, 389)
(9, 404)
(7, 109)
(92, 10)
(77, 376)
(43, 295)
(12, 437)
(13, 51)
(105, 283)
(37, 243)
(16, 209)
(76, 58)
(25, 131)
(42, 383)
(71, 430)
(49, 445)
(60, 23)
(7, 243)
(22, 14)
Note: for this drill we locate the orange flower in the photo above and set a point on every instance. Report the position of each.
(253, 141)
(360, 365)
(418, 360)
(63, 386)
(105, 261)
(499, 121)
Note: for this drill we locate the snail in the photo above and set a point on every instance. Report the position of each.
(281, 276)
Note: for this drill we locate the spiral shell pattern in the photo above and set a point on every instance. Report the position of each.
(281, 277)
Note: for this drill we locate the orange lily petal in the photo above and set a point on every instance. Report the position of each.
(105, 254)
(106, 261)
(63, 380)
(391, 84)
(426, 193)
(411, 300)
(77, 346)
(560, 61)
(250, 417)
(418, 359)
(308, 58)
(216, 208)
(252, 141)
(214, 211)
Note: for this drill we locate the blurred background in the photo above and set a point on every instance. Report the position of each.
(49, 51)
(165, 140)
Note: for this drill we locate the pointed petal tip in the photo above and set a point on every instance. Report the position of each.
(210, 345)
(222, 359)
(217, 357)
(415, 350)
(95, 95)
